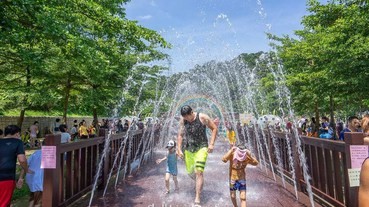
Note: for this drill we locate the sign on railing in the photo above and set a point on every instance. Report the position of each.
(48, 157)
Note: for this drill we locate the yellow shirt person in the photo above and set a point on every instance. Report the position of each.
(231, 135)
(83, 133)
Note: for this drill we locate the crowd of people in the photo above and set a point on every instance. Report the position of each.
(118, 126)
(82, 130)
(192, 145)
(329, 130)
(326, 129)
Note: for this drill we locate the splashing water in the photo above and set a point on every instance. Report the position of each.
(124, 144)
(213, 83)
(208, 82)
(296, 136)
(227, 88)
(284, 94)
(107, 142)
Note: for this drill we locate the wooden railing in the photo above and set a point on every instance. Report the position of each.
(77, 164)
(327, 162)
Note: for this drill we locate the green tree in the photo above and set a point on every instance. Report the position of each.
(327, 64)
(70, 50)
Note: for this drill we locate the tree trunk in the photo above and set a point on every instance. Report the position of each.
(331, 111)
(21, 118)
(94, 109)
(317, 117)
(96, 121)
(28, 85)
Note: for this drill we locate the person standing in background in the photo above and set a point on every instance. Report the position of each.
(33, 129)
(231, 135)
(365, 127)
(65, 136)
(74, 130)
(82, 131)
(91, 131)
(353, 125)
(54, 128)
(125, 126)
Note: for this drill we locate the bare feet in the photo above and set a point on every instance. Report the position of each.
(197, 204)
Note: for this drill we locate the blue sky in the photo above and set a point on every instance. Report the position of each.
(204, 30)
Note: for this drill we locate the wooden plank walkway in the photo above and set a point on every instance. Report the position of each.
(146, 188)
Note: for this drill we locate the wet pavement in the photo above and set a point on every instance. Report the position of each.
(146, 188)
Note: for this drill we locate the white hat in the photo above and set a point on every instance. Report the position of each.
(171, 143)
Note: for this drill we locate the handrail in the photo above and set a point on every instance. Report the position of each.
(77, 164)
(328, 162)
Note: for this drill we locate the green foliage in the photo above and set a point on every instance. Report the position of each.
(21, 193)
(329, 58)
(70, 56)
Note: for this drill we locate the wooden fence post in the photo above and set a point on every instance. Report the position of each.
(296, 158)
(129, 148)
(106, 167)
(52, 188)
(271, 147)
(351, 138)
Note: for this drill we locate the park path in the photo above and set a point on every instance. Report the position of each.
(146, 188)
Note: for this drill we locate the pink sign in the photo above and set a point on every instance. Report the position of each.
(48, 157)
(358, 154)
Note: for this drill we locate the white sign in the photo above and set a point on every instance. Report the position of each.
(358, 154)
(354, 177)
(48, 157)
